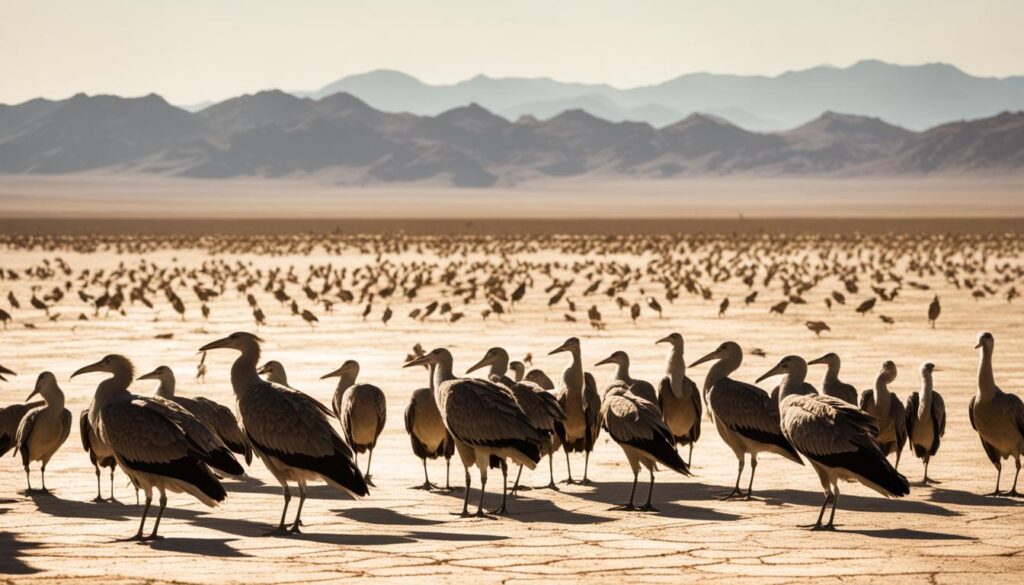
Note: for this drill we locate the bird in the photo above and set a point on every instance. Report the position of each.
(427, 433)
(10, 419)
(831, 385)
(485, 421)
(149, 442)
(635, 423)
(997, 416)
(43, 429)
(835, 436)
(288, 430)
(274, 372)
(888, 410)
(746, 416)
(578, 397)
(362, 411)
(926, 419)
(866, 306)
(621, 377)
(679, 398)
(217, 417)
(540, 406)
(535, 375)
(817, 327)
(934, 309)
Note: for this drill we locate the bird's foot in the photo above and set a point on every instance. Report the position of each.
(137, 537)
(995, 494)
(736, 493)
(1013, 494)
(499, 511)
(648, 508)
(295, 528)
(279, 531)
(425, 486)
(569, 481)
(930, 481)
(451, 488)
(99, 500)
(626, 507)
(550, 486)
(586, 481)
(152, 537)
(369, 481)
(523, 488)
(463, 514)
(480, 513)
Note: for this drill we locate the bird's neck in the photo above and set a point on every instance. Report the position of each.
(881, 388)
(675, 368)
(792, 383)
(112, 390)
(986, 379)
(442, 373)
(499, 368)
(345, 382)
(573, 375)
(243, 372)
(832, 372)
(721, 370)
(926, 392)
(54, 399)
(166, 387)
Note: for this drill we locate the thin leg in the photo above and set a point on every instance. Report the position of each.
(483, 488)
(689, 461)
(503, 508)
(648, 507)
(835, 501)
(99, 492)
(1013, 490)
(515, 486)
(632, 492)
(926, 458)
(28, 480)
(298, 514)
(586, 467)
(736, 489)
(999, 475)
(426, 478)
(821, 513)
(753, 469)
(42, 475)
(159, 515)
(568, 468)
(112, 499)
(366, 476)
(448, 475)
(280, 525)
(551, 472)
(142, 522)
(465, 501)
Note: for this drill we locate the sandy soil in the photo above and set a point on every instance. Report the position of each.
(942, 534)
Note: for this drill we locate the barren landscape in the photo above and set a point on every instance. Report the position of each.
(946, 533)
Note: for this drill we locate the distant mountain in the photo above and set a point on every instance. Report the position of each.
(915, 97)
(340, 138)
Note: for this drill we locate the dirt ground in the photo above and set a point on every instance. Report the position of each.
(947, 533)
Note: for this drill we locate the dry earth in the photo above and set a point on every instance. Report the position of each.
(942, 534)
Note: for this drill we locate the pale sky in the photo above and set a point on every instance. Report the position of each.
(196, 50)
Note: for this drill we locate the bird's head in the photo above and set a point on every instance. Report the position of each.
(674, 338)
(111, 364)
(985, 341)
(46, 386)
(888, 370)
(239, 341)
(927, 368)
(161, 373)
(828, 359)
(349, 369)
(618, 358)
(495, 355)
(431, 358)
(572, 345)
(788, 365)
(727, 349)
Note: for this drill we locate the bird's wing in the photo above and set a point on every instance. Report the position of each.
(910, 418)
(664, 388)
(539, 378)
(634, 421)
(85, 429)
(410, 414)
(591, 410)
(65, 426)
(970, 412)
(223, 423)
(822, 425)
(196, 429)
(286, 420)
(479, 412)
(899, 415)
(644, 390)
(24, 431)
(698, 408)
(743, 406)
(939, 412)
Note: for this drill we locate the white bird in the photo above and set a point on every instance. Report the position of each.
(427, 433)
(746, 416)
(486, 423)
(288, 430)
(621, 378)
(679, 398)
(217, 417)
(362, 411)
(997, 416)
(539, 405)
(888, 410)
(151, 442)
(578, 397)
(635, 423)
(43, 429)
(926, 419)
(835, 436)
(831, 385)
(274, 372)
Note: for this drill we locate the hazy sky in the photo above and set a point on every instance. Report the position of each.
(194, 50)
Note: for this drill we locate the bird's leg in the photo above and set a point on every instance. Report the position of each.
(280, 526)
(366, 476)
(515, 486)
(586, 466)
(821, 513)
(483, 488)
(42, 476)
(298, 513)
(999, 475)
(689, 460)
(648, 507)
(465, 501)
(142, 522)
(447, 476)
(503, 509)
(1013, 490)
(736, 489)
(632, 492)
(112, 498)
(835, 501)
(568, 469)
(551, 472)
(159, 515)
(28, 480)
(753, 469)
(426, 478)
(99, 492)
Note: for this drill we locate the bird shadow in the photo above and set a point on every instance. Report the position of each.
(12, 547)
(530, 510)
(61, 508)
(207, 547)
(383, 516)
(908, 534)
(851, 502)
(313, 492)
(666, 498)
(455, 536)
(948, 496)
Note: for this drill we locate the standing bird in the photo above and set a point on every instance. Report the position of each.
(485, 421)
(888, 410)
(288, 430)
(635, 423)
(836, 437)
(746, 416)
(217, 417)
(274, 372)
(427, 433)
(926, 420)
(997, 416)
(10, 419)
(679, 398)
(817, 327)
(831, 385)
(362, 411)
(621, 378)
(44, 428)
(149, 442)
(581, 404)
(540, 406)
(934, 309)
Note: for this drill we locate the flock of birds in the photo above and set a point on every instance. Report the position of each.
(166, 442)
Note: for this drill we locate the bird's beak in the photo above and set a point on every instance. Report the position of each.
(150, 376)
(97, 367)
(817, 361)
(34, 392)
(263, 370)
(937, 369)
(6, 372)
(607, 360)
(667, 339)
(559, 349)
(483, 362)
(711, 356)
(772, 372)
(220, 343)
(420, 361)
(335, 374)
(978, 346)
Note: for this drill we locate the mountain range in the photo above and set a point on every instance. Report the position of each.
(916, 97)
(340, 138)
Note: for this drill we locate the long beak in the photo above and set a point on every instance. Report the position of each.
(335, 374)
(772, 372)
(817, 361)
(558, 349)
(938, 370)
(420, 361)
(150, 376)
(667, 339)
(483, 362)
(978, 346)
(7, 372)
(607, 360)
(97, 367)
(711, 356)
(263, 370)
(34, 392)
(220, 343)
